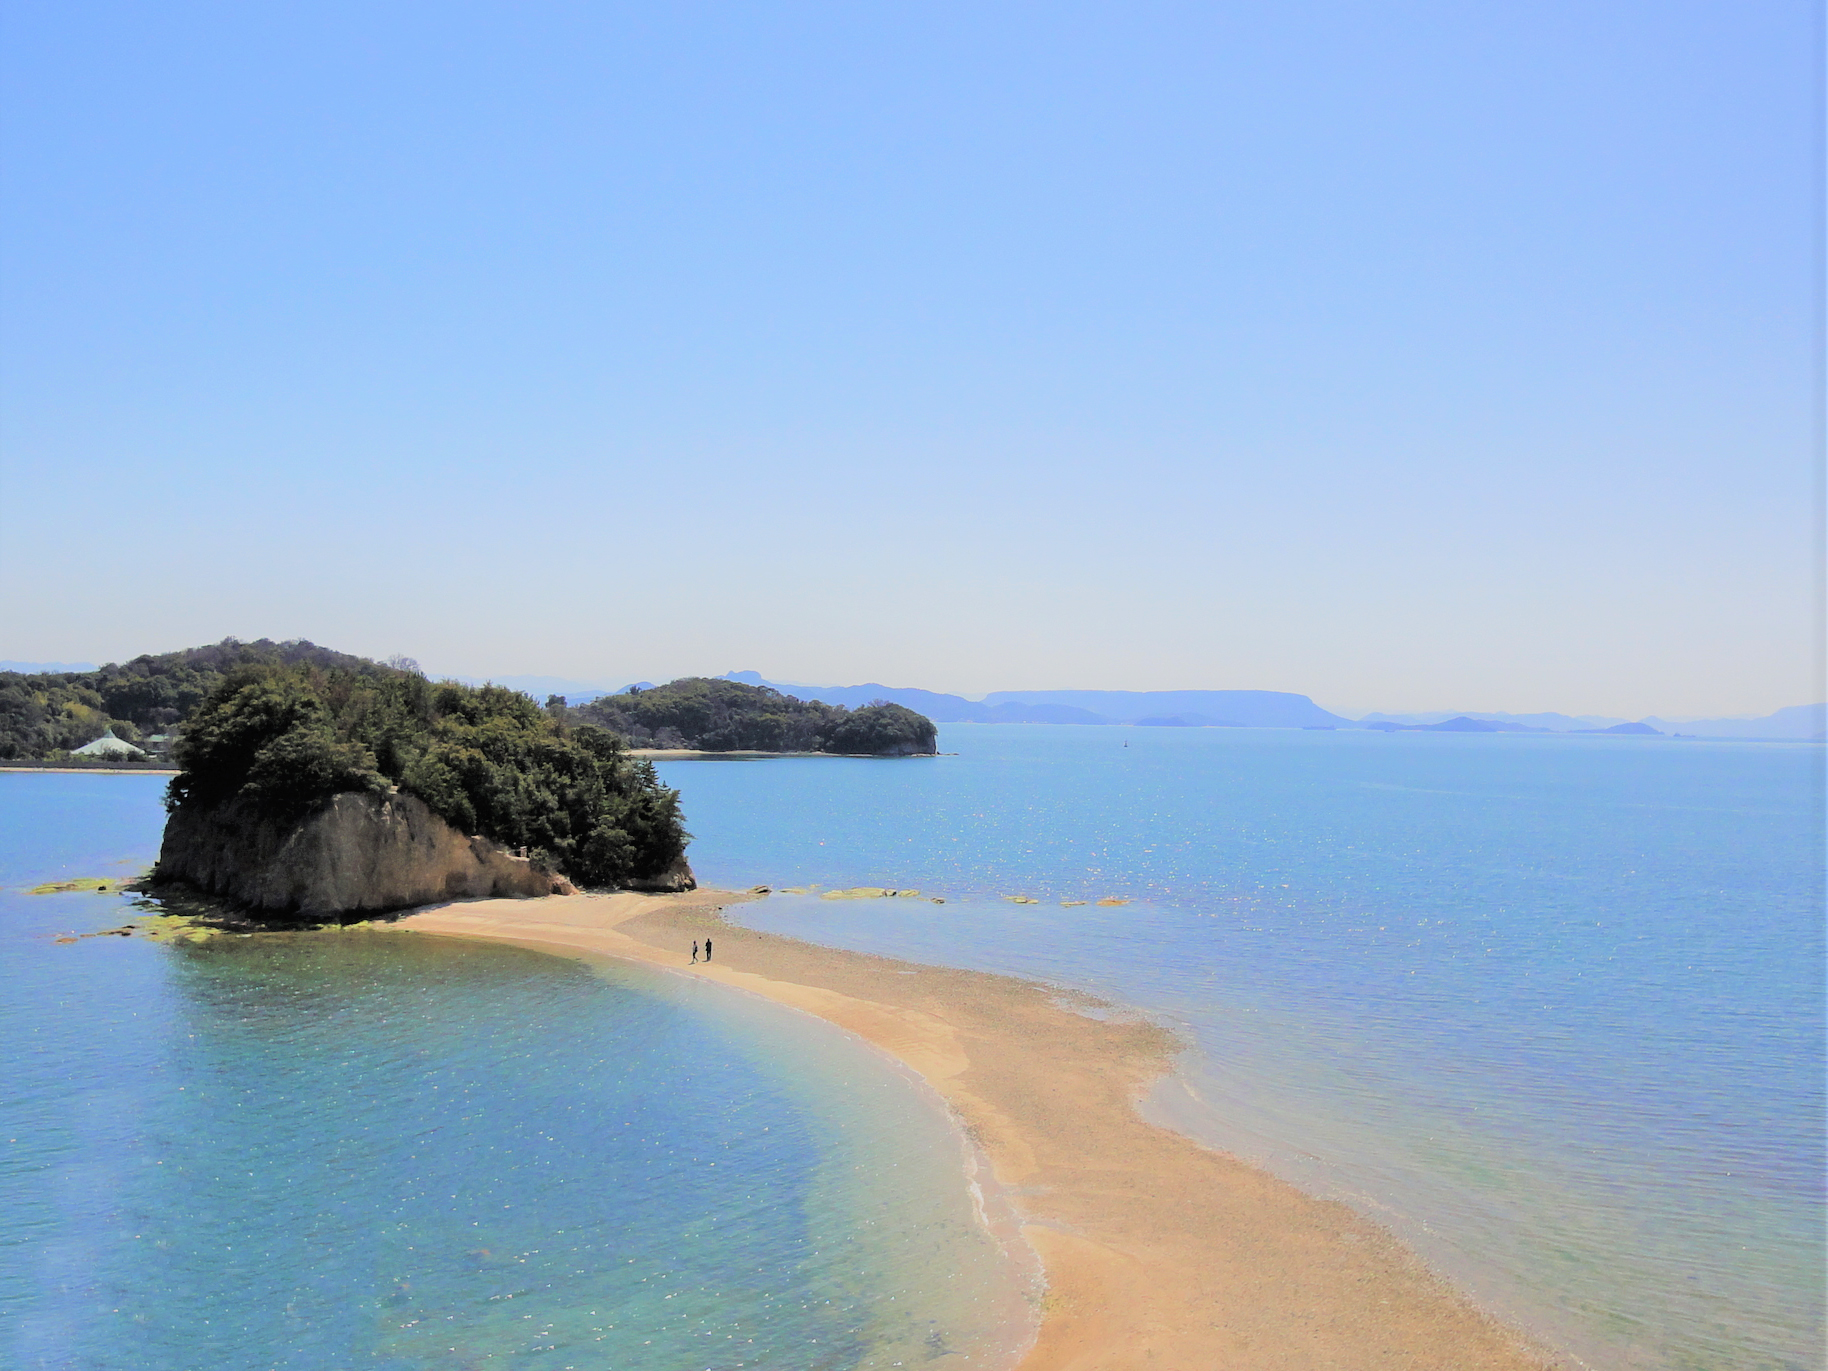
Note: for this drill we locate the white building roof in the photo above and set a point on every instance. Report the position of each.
(108, 746)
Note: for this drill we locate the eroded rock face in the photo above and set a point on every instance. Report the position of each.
(676, 877)
(358, 854)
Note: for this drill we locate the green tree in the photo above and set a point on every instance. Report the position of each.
(281, 739)
(731, 716)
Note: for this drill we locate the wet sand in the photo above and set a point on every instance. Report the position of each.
(1159, 1253)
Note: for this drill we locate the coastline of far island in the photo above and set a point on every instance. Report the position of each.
(312, 785)
(131, 715)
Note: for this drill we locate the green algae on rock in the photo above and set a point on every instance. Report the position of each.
(91, 885)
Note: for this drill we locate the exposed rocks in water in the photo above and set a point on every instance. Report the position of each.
(85, 885)
(358, 853)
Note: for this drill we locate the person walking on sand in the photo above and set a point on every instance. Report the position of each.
(694, 952)
(707, 949)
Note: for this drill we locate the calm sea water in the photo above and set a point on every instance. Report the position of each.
(322, 1151)
(1551, 1008)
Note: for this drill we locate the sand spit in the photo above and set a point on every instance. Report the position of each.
(1159, 1253)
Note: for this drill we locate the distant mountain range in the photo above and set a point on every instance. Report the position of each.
(1211, 709)
(1185, 708)
(1172, 708)
(1271, 709)
(1798, 721)
(1462, 723)
(1546, 723)
(1162, 708)
(539, 687)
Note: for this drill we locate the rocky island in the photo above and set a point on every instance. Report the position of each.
(314, 784)
(307, 793)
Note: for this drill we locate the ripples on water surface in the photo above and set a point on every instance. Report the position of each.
(325, 1150)
(1550, 1007)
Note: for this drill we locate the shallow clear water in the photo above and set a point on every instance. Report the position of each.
(1552, 1008)
(368, 1148)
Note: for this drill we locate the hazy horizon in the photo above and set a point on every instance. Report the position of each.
(539, 683)
(1382, 356)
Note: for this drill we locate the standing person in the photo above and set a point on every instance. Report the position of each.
(707, 949)
(694, 951)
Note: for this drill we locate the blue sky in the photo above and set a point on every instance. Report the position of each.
(1404, 355)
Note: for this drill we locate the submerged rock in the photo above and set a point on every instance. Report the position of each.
(88, 885)
(357, 853)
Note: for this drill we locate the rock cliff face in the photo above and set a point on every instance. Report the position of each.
(678, 876)
(360, 853)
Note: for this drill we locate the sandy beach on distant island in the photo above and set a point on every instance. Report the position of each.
(1158, 1252)
(91, 770)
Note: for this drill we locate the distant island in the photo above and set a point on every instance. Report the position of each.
(1274, 709)
(144, 705)
(130, 714)
(313, 784)
(1197, 708)
(1464, 724)
(709, 715)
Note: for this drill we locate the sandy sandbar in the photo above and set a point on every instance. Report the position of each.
(1159, 1253)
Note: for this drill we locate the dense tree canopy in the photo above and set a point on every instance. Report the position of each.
(882, 729)
(730, 716)
(285, 738)
(43, 714)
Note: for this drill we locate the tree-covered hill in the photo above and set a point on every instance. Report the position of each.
(731, 716)
(42, 715)
(278, 739)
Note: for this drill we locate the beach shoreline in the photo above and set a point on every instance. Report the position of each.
(90, 770)
(1156, 1250)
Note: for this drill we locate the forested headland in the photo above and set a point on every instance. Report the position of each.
(45, 715)
(729, 716)
(275, 741)
(270, 736)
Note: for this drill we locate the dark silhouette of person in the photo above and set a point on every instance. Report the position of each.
(694, 950)
(707, 949)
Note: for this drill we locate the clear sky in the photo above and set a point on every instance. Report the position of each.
(1405, 355)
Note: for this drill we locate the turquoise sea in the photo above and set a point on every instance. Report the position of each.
(1552, 1008)
(324, 1151)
